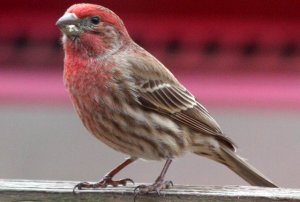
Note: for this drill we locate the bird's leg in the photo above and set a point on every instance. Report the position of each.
(107, 179)
(159, 183)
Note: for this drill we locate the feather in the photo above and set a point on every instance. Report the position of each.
(165, 95)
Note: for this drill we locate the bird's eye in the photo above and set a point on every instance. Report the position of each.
(95, 20)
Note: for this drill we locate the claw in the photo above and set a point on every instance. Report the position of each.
(135, 196)
(79, 186)
(138, 187)
(102, 184)
(156, 187)
(74, 189)
(125, 181)
(168, 184)
(136, 193)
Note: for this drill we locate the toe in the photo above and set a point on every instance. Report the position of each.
(168, 184)
(79, 186)
(125, 181)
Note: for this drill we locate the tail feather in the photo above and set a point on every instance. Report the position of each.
(244, 169)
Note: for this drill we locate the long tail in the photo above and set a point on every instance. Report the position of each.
(244, 169)
(228, 157)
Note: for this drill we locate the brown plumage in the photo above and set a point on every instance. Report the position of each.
(130, 101)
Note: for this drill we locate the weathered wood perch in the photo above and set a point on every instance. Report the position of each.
(28, 190)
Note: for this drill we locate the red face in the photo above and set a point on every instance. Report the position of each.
(92, 27)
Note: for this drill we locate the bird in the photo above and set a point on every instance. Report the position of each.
(131, 102)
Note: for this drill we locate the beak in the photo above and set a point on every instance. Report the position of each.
(69, 24)
(67, 19)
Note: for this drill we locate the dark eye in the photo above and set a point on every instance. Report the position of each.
(95, 20)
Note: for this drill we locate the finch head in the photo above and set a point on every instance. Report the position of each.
(93, 27)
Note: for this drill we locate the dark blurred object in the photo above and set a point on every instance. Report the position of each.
(209, 35)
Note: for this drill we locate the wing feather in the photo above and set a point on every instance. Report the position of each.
(178, 103)
(157, 89)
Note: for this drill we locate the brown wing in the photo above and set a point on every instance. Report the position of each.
(157, 89)
(178, 103)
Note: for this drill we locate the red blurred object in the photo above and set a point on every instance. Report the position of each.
(211, 35)
(210, 38)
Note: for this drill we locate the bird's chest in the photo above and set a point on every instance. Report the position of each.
(88, 86)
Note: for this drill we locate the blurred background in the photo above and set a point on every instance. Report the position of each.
(240, 58)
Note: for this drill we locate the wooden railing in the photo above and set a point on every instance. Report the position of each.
(29, 190)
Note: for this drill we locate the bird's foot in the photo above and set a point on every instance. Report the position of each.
(156, 187)
(106, 181)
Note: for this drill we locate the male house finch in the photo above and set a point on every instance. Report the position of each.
(130, 101)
